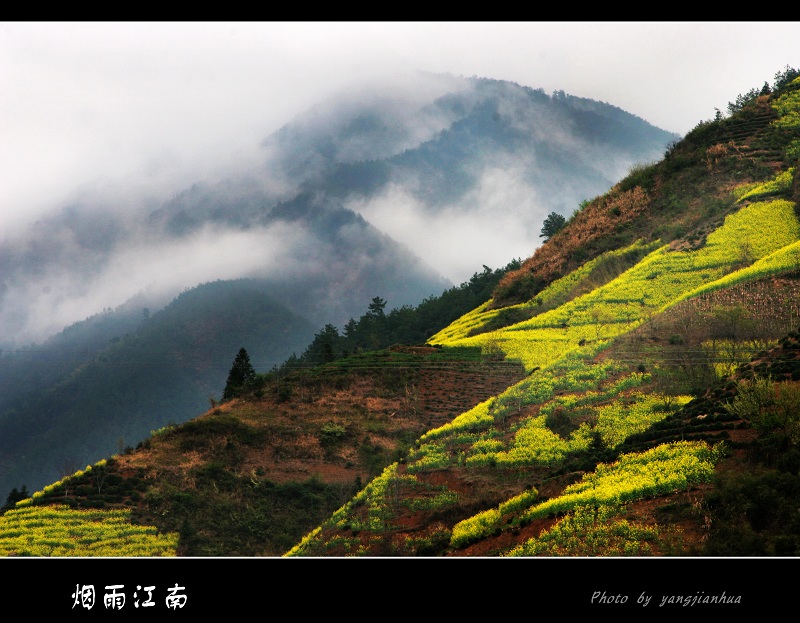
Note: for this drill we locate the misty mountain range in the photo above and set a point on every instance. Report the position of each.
(121, 317)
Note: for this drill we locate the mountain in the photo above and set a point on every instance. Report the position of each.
(357, 198)
(435, 152)
(631, 389)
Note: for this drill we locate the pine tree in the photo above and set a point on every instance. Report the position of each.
(376, 307)
(553, 223)
(241, 374)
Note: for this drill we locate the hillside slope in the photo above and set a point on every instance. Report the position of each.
(620, 328)
(647, 404)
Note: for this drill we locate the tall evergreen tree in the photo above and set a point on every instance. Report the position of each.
(551, 225)
(241, 374)
(376, 307)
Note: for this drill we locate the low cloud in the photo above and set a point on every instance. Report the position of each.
(42, 303)
(495, 223)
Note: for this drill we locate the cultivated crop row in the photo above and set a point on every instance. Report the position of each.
(62, 531)
(659, 471)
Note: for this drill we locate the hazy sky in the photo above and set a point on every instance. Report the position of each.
(148, 105)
